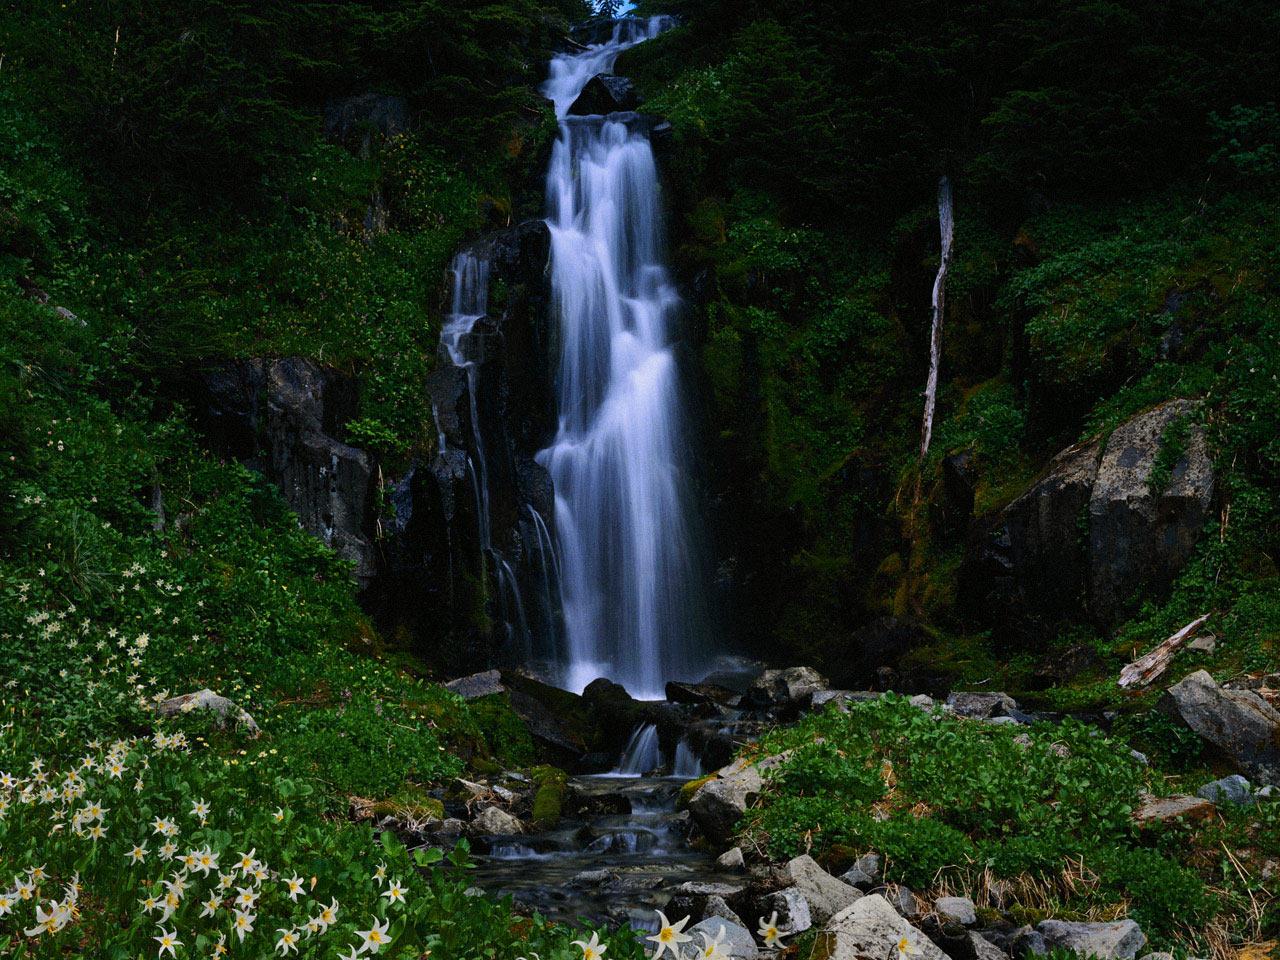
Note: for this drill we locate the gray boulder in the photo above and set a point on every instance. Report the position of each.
(732, 859)
(719, 804)
(792, 910)
(865, 872)
(604, 94)
(791, 687)
(872, 928)
(717, 906)
(1120, 940)
(903, 900)
(980, 705)
(493, 821)
(984, 949)
(826, 895)
(1140, 537)
(956, 910)
(1233, 789)
(1239, 723)
(226, 711)
(736, 941)
(477, 685)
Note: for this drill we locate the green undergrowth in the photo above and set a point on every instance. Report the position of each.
(954, 804)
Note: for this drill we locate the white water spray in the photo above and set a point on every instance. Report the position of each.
(630, 578)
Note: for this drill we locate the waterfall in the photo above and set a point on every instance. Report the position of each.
(631, 583)
(688, 765)
(642, 753)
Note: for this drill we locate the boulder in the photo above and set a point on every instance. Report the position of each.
(956, 910)
(1239, 723)
(225, 710)
(981, 948)
(731, 859)
(865, 872)
(1233, 789)
(493, 821)
(477, 685)
(604, 94)
(1140, 537)
(699, 693)
(982, 706)
(1120, 940)
(792, 687)
(903, 900)
(693, 899)
(792, 910)
(1178, 807)
(719, 804)
(872, 928)
(1025, 565)
(826, 895)
(735, 940)
(717, 906)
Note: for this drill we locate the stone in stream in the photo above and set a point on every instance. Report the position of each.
(732, 859)
(1239, 723)
(735, 940)
(691, 899)
(956, 910)
(604, 94)
(871, 927)
(826, 895)
(1120, 940)
(1233, 789)
(493, 821)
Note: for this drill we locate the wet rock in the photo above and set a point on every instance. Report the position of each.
(225, 710)
(871, 927)
(699, 693)
(736, 941)
(477, 685)
(1178, 807)
(1120, 940)
(604, 94)
(691, 899)
(493, 821)
(1239, 723)
(779, 689)
(826, 895)
(1233, 789)
(1139, 538)
(717, 906)
(956, 910)
(982, 706)
(792, 910)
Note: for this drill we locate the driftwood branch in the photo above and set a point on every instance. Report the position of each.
(939, 298)
(1146, 668)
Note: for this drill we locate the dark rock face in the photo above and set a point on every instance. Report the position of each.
(354, 121)
(1139, 538)
(880, 644)
(1091, 538)
(604, 93)
(494, 411)
(279, 417)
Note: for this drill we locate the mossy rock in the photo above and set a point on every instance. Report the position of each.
(689, 789)
(548, 801)
(411, 804)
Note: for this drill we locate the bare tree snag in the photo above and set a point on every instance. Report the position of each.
(939, 297)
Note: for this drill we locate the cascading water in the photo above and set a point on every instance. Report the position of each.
(687, 765)
(642, 754)
(630, 577)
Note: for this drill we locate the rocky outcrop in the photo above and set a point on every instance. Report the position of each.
(281, 418)
(825, 895)
(791, 688)
(227, 712)
(1241, 725)
(1140, 536)
(1107, 525)
(604, 94)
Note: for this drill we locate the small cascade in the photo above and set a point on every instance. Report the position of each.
(688, 765)
(643, 753)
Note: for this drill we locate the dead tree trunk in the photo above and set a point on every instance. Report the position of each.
(939, 297)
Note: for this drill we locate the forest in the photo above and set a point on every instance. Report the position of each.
(464, 489)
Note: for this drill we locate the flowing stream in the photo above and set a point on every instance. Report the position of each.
(630, 575)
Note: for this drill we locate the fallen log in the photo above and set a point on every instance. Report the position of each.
(1146, 668)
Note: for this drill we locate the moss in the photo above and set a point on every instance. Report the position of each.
(689, 789)
(548, 801)
(411, 804)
